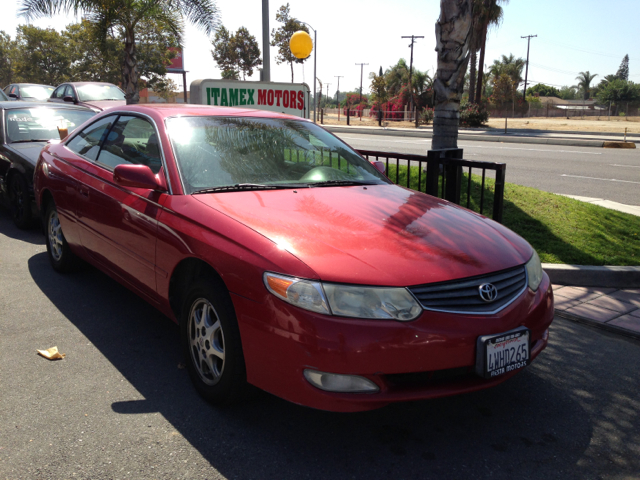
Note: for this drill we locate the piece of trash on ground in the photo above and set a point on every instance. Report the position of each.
(52, 353)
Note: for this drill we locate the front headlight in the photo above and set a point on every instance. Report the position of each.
(345, 300)
(534, 271)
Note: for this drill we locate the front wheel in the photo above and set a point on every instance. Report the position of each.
(211, 344)
(61, 257)
(20, 202)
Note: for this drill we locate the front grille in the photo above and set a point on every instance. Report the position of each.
(462, 296)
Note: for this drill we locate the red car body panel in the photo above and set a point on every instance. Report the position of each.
(379, 235)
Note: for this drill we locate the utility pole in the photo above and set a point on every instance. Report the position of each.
(327, 95)
(338, 93)
(526, 72)
(412, 37)
(266, 60)
(361, 70)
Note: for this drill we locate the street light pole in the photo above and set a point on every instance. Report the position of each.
(315, 57)
(526, 72)
(266, 60)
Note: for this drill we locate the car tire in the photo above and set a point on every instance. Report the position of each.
(61, 257)
(211, 344)
(20, 202)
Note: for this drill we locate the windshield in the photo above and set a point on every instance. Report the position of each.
(87, 93)
(41, 123)
(36, 91)
(214, 153)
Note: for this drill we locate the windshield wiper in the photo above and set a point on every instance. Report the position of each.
(28, 141)
(339, 183)
(251, 186)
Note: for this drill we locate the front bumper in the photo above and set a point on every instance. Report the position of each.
(432, 356)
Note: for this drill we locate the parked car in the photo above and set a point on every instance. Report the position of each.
(289, 261)
(26, 129)
(29, 92)
(95, 95)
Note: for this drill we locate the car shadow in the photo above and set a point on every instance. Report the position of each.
(32, 235)
(541, 422)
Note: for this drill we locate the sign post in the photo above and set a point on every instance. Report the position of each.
(177, 66)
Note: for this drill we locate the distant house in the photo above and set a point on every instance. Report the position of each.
(555, 102)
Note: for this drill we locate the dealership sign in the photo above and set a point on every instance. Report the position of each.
(290, 98)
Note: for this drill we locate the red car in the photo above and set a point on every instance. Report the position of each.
(97, 96)
(289, 261)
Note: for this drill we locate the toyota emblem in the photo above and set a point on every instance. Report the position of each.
(488, 292)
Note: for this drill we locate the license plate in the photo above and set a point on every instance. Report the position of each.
(502, 353)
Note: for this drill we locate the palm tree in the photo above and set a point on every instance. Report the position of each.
(397, 76)
(584, 83)
(125, 16)
(510, 65)
(488, 13)
(453, 37)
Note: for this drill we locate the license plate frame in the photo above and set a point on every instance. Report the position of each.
(501, 353)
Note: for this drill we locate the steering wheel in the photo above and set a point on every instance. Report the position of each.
(322, 174)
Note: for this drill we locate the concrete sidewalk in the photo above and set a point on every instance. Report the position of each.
(544, 137)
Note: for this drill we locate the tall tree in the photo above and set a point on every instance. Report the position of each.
(42, 56)
(236, 53)
(453, 37)
(247, 52)
(584, 83)
(623, 71)
(7, 50)
(224, 54)
(125, 16)
(511, 66)
(280, 37)
(489, 12)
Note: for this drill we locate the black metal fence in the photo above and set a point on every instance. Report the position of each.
(443, 171)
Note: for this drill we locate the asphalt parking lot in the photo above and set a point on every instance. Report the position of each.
(120, 407)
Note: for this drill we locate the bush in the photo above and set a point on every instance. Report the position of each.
(472, 115)
(426, 115)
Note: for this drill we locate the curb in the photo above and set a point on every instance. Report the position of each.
(619, 145)
(602, 326)
(500, 138)
(593, 276)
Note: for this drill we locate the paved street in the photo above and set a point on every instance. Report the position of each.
(119, 407)
(611, 174)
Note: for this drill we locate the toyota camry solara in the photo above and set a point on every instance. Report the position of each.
(289, 261)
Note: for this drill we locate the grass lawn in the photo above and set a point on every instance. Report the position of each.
(561, 229)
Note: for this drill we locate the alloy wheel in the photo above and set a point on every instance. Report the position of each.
(206, 341)
(55, 236)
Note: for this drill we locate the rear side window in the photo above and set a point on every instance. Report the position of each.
(87, 143)
(59, 92)
(132, 140)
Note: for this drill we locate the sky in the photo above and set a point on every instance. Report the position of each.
(572, 36)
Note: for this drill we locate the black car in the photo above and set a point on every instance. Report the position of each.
(30, 92)
(25, 129)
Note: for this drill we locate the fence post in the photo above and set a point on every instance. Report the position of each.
(498, 196)
(433, 172)
(379, 117)
(348, 114)
(322, 116)
(417, 119)
(453, 175)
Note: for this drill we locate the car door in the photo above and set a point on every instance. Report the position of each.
(119, 224)
(58, 94)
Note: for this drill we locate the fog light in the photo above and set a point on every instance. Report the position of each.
(333, 382)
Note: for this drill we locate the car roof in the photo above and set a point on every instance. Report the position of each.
(20, 104)
(79, 84)
(166, 110)
(32, 85)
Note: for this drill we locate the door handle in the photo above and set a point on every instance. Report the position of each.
(84, 192)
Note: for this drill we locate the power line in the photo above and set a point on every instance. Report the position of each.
(556, 44)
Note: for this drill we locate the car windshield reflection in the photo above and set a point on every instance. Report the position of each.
(218, 152)
(41, 124)
(87, 93)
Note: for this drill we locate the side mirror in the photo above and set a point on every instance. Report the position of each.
(379, 165)
(68, 98)
(139, 176)
(13, 95)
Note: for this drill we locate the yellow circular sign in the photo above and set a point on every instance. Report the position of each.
(301, 44)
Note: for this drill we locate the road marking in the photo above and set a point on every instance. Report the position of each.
(533, 149)
(616, 165)
(596, 178)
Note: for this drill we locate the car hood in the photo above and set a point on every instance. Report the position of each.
(103, 104)
(28, 150)
(378, 235)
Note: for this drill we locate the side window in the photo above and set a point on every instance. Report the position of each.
(131, 140)
(15, 90)
(59, 92)
(69, 92)
(87, 142)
